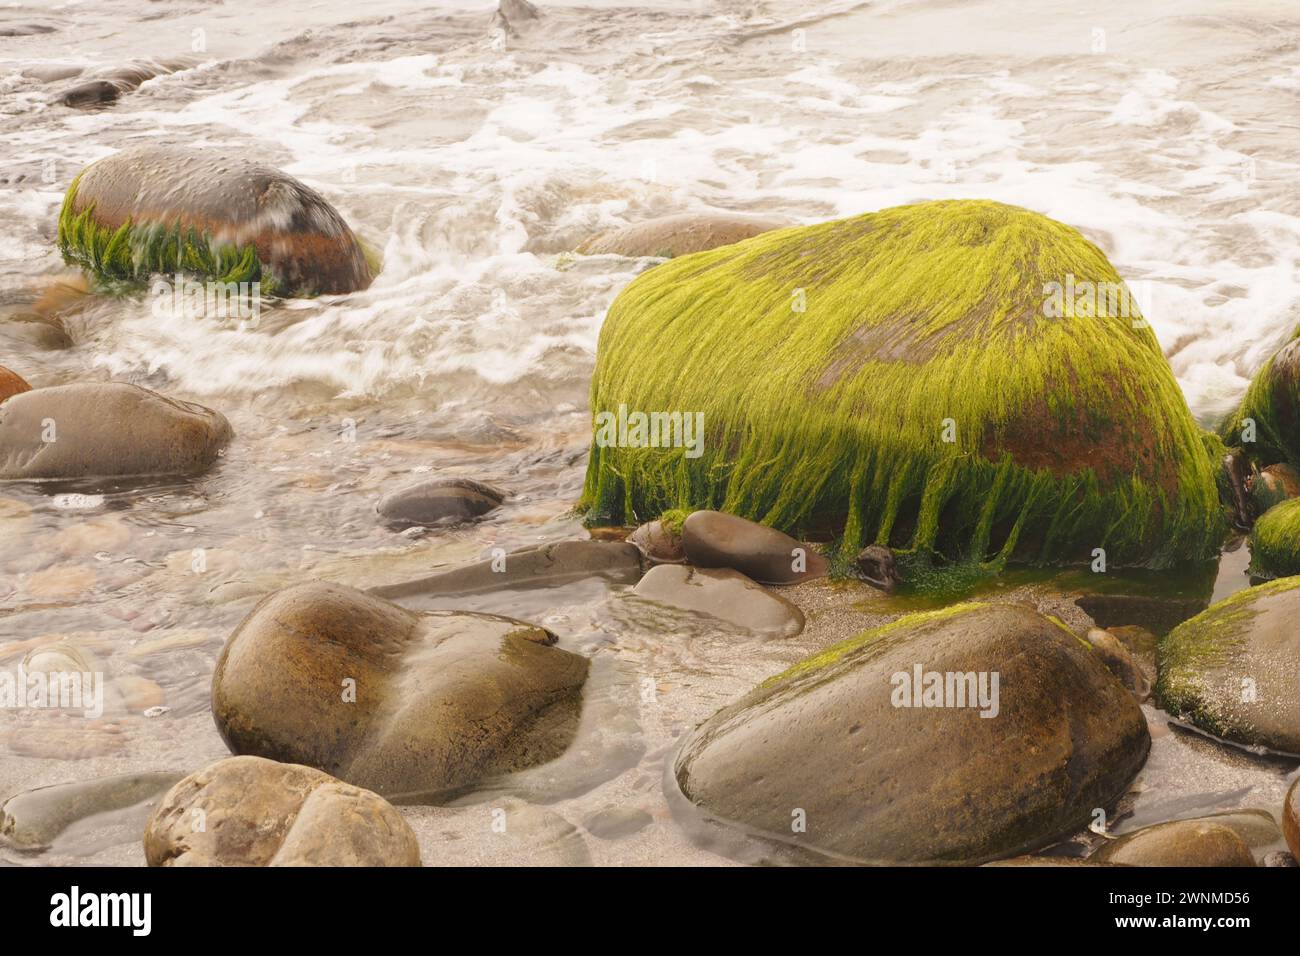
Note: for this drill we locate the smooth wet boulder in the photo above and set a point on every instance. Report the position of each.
(905, 376)
(256, 812)
(105, 87)
(106, 430)
(897, 746)
(712, 539)
(722, 593)
(1275, 542)
(11, 383)
(34, 818)
(1205, 841)
(1119, 661)
(439, 501)
(1232, 670)
(1291, 818)
(680, 235)
(167, 209)
(417, 705)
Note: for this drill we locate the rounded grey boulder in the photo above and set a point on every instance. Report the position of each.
(439, 501)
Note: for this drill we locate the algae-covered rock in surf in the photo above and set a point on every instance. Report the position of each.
(1266, 425)
(166, 209)
(1275, 542)
(898, 747)
(914, 377)
(1232, 669)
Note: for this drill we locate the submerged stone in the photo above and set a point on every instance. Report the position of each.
(167, 209)
(1266, 425)
(258, 812)
(439, 501)
(34, 818)
(1231, 670)
(722, 593)
(106, 430)
(903, 375)
(672, 236)
(960, 769)
(417, 705)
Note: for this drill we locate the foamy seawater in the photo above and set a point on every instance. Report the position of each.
(473, 158)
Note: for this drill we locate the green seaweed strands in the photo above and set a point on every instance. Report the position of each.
(1266, 425)
(918, 324)
(1275, 542)
(134, 252)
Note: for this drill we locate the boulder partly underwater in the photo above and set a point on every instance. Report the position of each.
(912, 378)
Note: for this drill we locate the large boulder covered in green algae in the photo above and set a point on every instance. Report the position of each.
(890, 765)
(166, 209)
(911, 376)
(1234, 669)
(1275, 542)
(413, 705)
(1266, 425)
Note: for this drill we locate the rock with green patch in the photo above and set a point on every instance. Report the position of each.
(257, 812)
(671, 236)
(1266, 425)
(91, 430)
(894, 747)
(1275, 542)
(1232, 671)
(911, 377)
(168, 209)
(1274, 485)
(417, 705)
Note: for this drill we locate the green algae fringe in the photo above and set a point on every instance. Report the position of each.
(1275, 542)
(836, 413)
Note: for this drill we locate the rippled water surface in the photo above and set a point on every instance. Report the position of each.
(473, 160)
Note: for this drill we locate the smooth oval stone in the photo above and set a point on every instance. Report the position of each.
(614, 823)
(261, 813)
(107, 86)
(108, 430)
(1201, 842)
(406, 704)
(878, 779)
(722, 593)
(544, 566)
(660, 545)
(302, 244)
(1232, 669)
(713, 539)
(439, 501)
(679, 235)
(34, 818)
(11, 383)
(1291, 818)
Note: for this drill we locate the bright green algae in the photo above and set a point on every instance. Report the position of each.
(1275, 541)
(1071, 433)
(134, 252)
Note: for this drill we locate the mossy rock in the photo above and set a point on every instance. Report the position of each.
(161, 209)
(878, 776)
(1231, 670)
(919, 324)
(1275, 542)
(1266, 425)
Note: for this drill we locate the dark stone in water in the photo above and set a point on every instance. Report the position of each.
(439, 501)
(410, 705)
(713, 539)
(878, 568)
(835, 745)
(108, 86)
(106, 430)
(542, 566)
